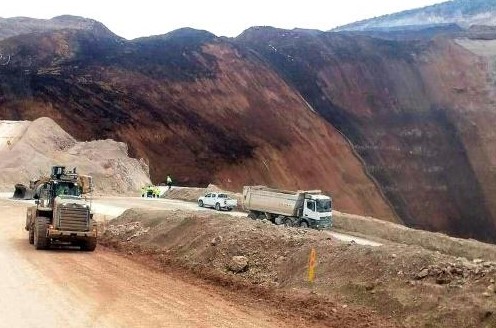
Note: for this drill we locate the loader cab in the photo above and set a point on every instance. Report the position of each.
(66, 189)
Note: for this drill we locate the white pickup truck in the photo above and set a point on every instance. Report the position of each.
(218, 201)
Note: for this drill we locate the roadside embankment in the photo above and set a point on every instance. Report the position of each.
(374, 228)
(355, 286)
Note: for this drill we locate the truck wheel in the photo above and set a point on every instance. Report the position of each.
(89, 245)
(40, 239)
(304, 224)
(288, 222)
(252, 215)
(217, 207)
(31, 235)
(200, 203)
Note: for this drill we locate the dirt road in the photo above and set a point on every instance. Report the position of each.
(110, 207)
(68, 288)
(114, 206)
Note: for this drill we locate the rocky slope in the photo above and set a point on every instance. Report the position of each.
(464, 13)
(282, 108)
(195, 106)
(420, 122)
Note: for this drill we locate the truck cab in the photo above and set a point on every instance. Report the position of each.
(317, 212)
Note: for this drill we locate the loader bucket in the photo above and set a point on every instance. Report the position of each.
(22, 192)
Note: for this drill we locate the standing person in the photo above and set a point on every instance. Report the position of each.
(169, 181)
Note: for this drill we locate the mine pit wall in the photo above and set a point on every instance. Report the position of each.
(411, 110)
(419, 114)
(194, 106)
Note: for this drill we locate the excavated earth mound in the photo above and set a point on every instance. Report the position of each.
(29, 149)
(355, 286)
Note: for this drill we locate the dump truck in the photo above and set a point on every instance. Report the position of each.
(302, 208)
(62, 216)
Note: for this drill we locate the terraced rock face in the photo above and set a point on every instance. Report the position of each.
(200, 108)
(420, 114)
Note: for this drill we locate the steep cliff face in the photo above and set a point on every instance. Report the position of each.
(282, 108)
(418, 113)
(195, 106)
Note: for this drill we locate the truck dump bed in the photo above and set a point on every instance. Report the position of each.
(263, 199)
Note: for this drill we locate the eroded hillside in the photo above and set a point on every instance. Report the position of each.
(418, 112)
(195, 106)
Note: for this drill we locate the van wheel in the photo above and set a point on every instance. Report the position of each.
(304, 224)
(200, 203)
(217, 207)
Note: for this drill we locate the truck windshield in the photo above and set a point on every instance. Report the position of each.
(67, 189)
(323, 205)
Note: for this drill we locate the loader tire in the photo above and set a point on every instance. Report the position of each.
(40, 233)
(31, 235)
(89, 245)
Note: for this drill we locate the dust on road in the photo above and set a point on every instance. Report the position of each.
(68, 288)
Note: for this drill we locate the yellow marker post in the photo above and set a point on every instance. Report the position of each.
(311, 265)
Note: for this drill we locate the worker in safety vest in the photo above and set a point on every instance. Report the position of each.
(169, 182)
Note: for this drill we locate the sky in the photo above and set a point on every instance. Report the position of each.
(132, 19)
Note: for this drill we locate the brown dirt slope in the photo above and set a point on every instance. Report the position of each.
(419, 113)
(195, 106)
(43, 144)
(355, 286)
